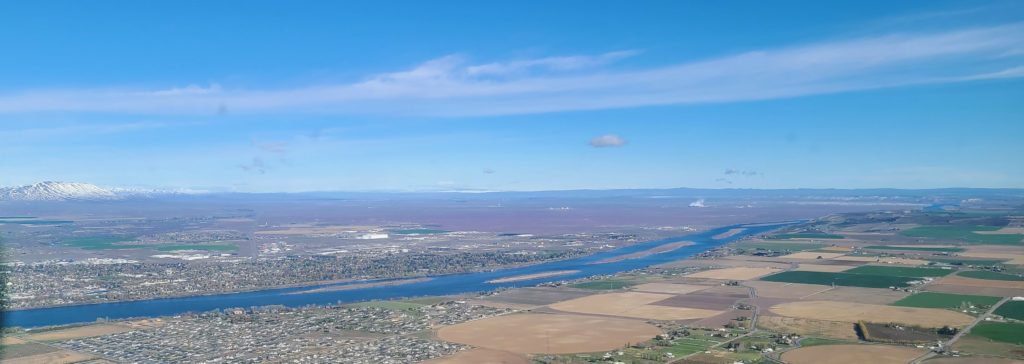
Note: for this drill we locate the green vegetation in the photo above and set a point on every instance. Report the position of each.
(915, 248)
(101, 243)
(1000, 331)
(900, 271)
(965, 233)
(814, 341)
(945, 300)
(806, 235)
(1012, 309)
(206, 247)
(418, 231)
(840, 279)
(967, 261)
(779, 246)
(995, 276)
(34, 222)
(605, 284)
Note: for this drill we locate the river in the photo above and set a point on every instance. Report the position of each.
(438, 285)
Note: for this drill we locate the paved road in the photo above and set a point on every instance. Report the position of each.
(949, 343)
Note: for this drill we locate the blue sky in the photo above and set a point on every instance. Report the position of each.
(417, 96)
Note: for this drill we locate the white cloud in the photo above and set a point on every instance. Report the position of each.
(606, 141)
(452, 86)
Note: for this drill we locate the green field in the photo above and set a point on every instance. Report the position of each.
(900, 271)
(101, 243)
(1012, 333)
(995, 276)
(806, 236)
(813, 341)
(967, 261)
(840, 279)
(945, 300)
(206, 247)
(605, 284)
(907, 248)
(418, 231)
(780, 246)
(1012, 309)
(965, 233)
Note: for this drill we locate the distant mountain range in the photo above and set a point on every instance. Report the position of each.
(76, 191)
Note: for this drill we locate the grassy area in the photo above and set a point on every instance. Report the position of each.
(1000, 331)
(995, 276)
(1012, 309)
(779, 246)
(915, 248)
(605, 284)
(965, 233)
(900, 271)
(806, 236)
(418, 231)
(813, 341)
(840, 279)
(101, 243)
(206, 247)
(945, 300)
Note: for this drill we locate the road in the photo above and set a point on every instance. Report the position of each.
(949, 343)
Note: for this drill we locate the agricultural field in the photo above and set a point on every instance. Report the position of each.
(915, 272)
(1000, 331)
(779, 246)
(1012, 309)
(855, 312)
(101, 243)
(966, 261)
(851, 354)
(964, 233)
(995, 276)
(806, 235)
(607, 284)
(840, 279)
(916, 248)
(205, 247)
(549, 333)
(946, 300)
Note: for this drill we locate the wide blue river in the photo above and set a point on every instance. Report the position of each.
(439, 285)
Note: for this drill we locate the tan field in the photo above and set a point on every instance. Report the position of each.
(79, 332)
(527, 277)
(56, 357)
(806, 327)
(11, 340)
(851, 354)
(811, 255)
(631, 304)
(1005, 230)
(887, 260)
(785, 290)
(671, 288)
(973, 360)
(991, 283)
(737, 273)
(549, 333)
(1014, 258)
(823, 268)
(480, 356)
(838, 248)
(853, 312)
(877, 296)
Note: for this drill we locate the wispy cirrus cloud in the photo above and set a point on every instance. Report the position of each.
(453, 86)
(607, 141)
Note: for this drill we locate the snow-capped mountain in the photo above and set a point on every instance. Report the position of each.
(56, 191)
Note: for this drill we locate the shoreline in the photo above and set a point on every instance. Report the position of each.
(526, 277)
